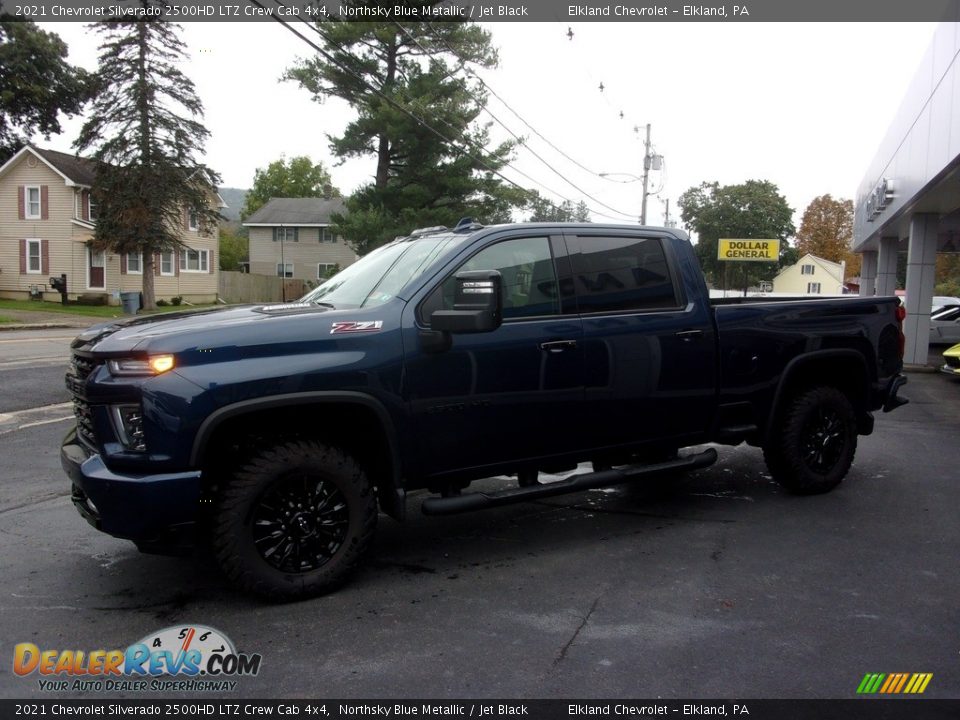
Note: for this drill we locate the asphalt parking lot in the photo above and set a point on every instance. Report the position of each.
(724, 586)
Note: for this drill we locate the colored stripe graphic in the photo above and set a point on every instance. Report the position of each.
(894, 683)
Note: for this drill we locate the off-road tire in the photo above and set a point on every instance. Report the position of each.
(813, 449)
(321, 498)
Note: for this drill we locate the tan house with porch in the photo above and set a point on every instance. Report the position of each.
(47, 221)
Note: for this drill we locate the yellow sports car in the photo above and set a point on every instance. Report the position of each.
(951, 360)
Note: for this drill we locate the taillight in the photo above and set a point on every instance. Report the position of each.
(901, 313)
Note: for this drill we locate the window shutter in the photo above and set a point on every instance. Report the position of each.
(296, 234)
(85, 206)
(176, 255)
(45, 257)
(21, 203)
(210, 262)
(123, 263)
(156, 263)
(274, 229)
(44, 202)
(23, 254)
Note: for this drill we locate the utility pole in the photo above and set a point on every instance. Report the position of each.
(646, 176)
(666, 214)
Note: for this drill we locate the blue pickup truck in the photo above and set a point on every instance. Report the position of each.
(278, 433)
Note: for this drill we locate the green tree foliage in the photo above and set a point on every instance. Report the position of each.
(948, 275)
(234, 249)
(36, 83)
(542, 210)
(146, 131)
(826, 231)
(752, 210)
(298, 177)
(427, 173)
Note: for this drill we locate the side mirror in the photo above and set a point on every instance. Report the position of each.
(477, 304)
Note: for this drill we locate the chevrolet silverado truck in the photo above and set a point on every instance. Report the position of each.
(278, 433)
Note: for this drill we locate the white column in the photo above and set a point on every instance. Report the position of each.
(887, 266)
(868, 273)
(921, 275)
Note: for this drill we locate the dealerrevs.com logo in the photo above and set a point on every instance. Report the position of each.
(178, 658)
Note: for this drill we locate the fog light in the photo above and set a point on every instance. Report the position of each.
(128, 422)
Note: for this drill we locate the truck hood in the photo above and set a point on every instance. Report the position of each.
(182, 330)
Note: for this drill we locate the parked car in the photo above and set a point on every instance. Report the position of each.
(450, 356)
(951, 361)
(945, 325)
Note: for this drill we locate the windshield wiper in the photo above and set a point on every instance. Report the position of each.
(324, 304)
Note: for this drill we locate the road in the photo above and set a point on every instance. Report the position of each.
(723, 587)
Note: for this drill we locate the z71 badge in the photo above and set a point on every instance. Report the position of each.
(356, 327)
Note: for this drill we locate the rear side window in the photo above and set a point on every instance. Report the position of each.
(529, 279)
(622, 273)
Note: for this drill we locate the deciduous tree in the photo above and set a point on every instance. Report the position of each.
(298, 177)
(826, 231)
(36, 84)
(751, 210)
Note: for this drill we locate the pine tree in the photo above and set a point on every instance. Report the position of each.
(396, 75)
(146, 131)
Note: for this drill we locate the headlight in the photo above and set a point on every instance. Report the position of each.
(128, 422)
(154, 365)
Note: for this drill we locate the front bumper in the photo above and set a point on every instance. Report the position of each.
(151, 510)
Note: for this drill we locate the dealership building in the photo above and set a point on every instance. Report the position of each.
(909, 199)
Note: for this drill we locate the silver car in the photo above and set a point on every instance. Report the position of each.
(945, 325)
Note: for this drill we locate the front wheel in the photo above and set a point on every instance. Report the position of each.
(815, 448)
(294, 520)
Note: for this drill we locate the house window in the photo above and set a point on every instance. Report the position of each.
(193, 220)
(285, 270)
(31, 202)
(34, 257)
(91, 208)
(813, 288)
(289, 234)
(806, 269)
(135, 263)
(325, 270)
(326, 236)
(194, 260)
(166, 262)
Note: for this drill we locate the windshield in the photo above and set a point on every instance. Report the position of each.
(378, 276)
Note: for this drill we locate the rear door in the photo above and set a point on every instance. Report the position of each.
(649, 350)
(511, 394)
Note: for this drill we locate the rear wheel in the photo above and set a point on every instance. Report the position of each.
(815, 448)
(294, 520)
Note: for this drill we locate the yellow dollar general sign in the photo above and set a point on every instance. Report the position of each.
(753, 250)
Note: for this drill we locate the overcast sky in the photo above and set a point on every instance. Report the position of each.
(802, 105)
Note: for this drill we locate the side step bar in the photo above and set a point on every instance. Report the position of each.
(575, 483)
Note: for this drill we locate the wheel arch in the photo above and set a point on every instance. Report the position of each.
(842, 368)
(363, 427)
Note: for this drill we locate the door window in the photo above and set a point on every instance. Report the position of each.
(622, 273)
(529, 284)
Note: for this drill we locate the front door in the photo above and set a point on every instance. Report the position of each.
(507, 395)
(96, 275)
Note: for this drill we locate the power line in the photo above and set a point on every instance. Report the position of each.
(379, 92)
(512, 133)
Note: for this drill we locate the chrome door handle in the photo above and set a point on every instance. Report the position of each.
(688, 334)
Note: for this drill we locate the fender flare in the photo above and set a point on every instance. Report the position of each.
(798, 362)
(392, 503)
